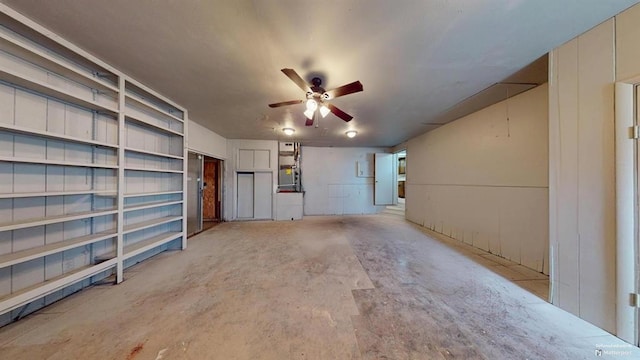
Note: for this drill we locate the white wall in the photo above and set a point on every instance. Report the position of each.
(205, 141)
(482, 179)
(332, 187)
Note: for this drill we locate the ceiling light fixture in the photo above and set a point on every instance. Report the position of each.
(288, 131)
(309, 113)
(351, 133)
(312, 105)
(324, 111)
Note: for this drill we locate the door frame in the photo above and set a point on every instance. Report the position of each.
(198, 194)
(627, 221)
(220, 189)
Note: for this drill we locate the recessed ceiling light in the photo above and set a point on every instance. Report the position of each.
(351, 133)
(288, 131)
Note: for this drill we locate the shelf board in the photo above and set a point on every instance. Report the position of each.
(150, 205)
(53, 91)
(179, 157)
(58, 193)
(53, 220)
(132, 168)
(13, 44)
(148, 244)
(54, 162)
(169, 192)
(31, 293)
(49, 135)
(133, 118)
(40, 251)
(151, 106)
(142, 246)
(149, 224)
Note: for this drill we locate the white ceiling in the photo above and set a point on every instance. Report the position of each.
(417, 59)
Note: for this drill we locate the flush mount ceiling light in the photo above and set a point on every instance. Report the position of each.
(288, 131)
(351, 133)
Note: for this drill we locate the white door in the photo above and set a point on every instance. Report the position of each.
(245, 195)
(263, 190)
(385, 183)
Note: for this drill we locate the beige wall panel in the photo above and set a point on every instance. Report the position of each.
(483, 179)
(627, 45)
(497, 146)
(524, 238)
(567, 192)
(596, 187)
(582, 183)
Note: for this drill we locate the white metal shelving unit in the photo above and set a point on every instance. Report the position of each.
(92, 169)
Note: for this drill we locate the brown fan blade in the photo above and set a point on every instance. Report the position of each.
(285, 103)
(293, 75)
(309, 122)
(339, 113)
(343, 90)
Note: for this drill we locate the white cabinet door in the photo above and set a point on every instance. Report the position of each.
(263, 195)
(245, 195)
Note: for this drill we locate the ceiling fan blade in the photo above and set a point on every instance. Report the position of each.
(285, 103)
(343, 90)
(293, 75)
(339, 113)
(309, 122)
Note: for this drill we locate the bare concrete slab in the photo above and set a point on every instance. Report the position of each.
(357, 287)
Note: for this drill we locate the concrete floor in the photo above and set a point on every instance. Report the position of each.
(357, 287)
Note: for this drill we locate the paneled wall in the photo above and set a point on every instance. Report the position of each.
(482, 179)
(332, 184)
(582, 178)
(582, 158)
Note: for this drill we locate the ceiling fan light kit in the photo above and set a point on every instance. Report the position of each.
(324, 111)
(318, 97)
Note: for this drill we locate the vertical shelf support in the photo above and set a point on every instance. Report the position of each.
(185, 157)
(121, 180)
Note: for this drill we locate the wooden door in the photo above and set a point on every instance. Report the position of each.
(209, 198)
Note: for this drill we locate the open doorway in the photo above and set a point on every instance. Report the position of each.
(204, 192)
(211, 193)
(400, 175)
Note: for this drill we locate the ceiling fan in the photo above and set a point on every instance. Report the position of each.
(318, 97)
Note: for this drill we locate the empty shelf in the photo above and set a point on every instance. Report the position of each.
(49, 135)
(25, 296)
(149, 223)
(40, 251)
(53, 219)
